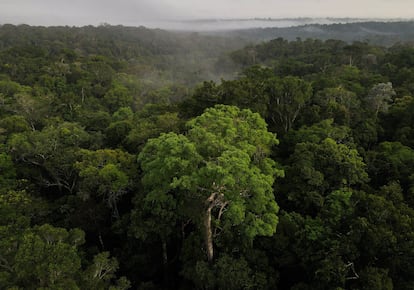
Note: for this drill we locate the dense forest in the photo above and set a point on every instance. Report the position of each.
(133, 158)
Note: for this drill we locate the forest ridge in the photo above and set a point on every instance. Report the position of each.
(133, 158)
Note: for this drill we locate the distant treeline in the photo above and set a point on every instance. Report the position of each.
(379, 33)
(120, 170)
(179, 57)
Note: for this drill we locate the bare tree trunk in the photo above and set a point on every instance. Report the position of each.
(101, 241)
(209, 235)
(215, 199)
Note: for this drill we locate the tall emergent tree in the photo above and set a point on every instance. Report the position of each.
(217, 176)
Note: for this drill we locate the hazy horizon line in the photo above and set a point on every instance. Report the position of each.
(213, 23)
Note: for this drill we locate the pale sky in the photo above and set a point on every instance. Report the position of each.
(136, 12)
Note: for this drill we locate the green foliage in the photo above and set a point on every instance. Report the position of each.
(391, 161)
(197, 208)
(99, 274)
(337, 207)
(278, 100)
(45, 256)
(338, 104)
(14, 124)
(218, 177)
(316, 133)
(42, 256)
(320, 168)
(398, 123)
(226, 273)
(287, 98)
(7, 172)
(376, 278)
(150, 122)
(117, 97)
(123, 114)
(50, 154)
(379, 97)
(105, 174)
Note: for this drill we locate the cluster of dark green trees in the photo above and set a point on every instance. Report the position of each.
(298, 174)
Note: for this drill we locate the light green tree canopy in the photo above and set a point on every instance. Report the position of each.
(218, 175)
